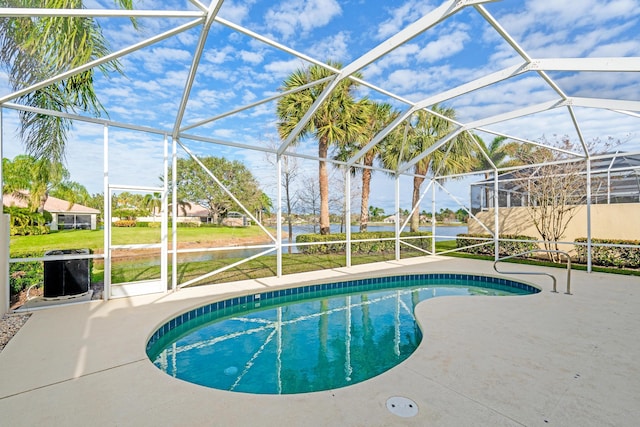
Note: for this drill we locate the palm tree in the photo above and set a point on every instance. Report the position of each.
(183, 205)
(153, 202)
(379, 116)
(338, 120)
(500, 151)
(375, 212)
(34, 49)
(38, 177)
(417, 137)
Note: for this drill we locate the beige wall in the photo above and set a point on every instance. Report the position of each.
(615, 221)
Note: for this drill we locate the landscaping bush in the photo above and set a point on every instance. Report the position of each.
(609, 256)
(146, 224)
(505, 248)
(125, 223)
(374, 246)
(23, 222)
(24, 274)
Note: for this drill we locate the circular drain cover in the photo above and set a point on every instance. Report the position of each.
(402, 407)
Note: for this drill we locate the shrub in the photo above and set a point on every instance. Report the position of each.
(610, 256)
(125, 223)
(505, 248)
(146, 224)
(374, 245)
(24, 274)
(23, 222)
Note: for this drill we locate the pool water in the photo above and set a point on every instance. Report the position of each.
(319, 340)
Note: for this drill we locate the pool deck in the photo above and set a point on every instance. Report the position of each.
(537, 360)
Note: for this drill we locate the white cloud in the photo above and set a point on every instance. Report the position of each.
(445, 46)
(156, 59)
(235, 12)
(218, 56)
(292, 17)
(625, 48)
(251, 57)
(406, 13)
(334, 47)
(281, 69)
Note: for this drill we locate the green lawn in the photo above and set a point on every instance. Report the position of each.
(94, 239)
(130, 270)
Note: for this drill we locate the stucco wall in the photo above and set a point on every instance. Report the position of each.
(615, 221)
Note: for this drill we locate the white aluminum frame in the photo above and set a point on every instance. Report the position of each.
(205, 17)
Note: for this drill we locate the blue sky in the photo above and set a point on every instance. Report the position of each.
(237, 70)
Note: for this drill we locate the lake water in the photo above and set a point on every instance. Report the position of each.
(443, 232)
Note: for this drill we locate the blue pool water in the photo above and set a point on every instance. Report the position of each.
(307, 339)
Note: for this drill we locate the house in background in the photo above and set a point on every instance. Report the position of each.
(66, 216)
(191, 212)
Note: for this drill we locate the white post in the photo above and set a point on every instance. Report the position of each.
(174, 215)
(4, 232)
(164, 226)
(347, 212)
(106, 292)
(496, 218)
(589, 247)
(397, 222)
(433, 218)
(279, 217)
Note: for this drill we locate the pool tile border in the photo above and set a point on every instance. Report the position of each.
(369, 283)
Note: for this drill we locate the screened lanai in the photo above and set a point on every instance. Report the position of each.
(198, 79)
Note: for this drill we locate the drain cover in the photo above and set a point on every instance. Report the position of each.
(402, 407)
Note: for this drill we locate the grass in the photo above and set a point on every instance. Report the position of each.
(134, 269)
(265, 266)
(94, 239)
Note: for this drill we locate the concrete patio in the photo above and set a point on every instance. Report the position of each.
(544, 359)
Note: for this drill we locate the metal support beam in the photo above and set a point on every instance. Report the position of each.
(214, 7)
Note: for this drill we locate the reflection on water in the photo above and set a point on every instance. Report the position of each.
(321, 343)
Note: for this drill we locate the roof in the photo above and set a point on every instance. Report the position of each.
(193, 210)
(53, 204)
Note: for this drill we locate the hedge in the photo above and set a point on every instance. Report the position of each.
(505, 248)
(610, 256)
(124, 223)
(374, 246)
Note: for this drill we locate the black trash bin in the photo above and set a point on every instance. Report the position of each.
(66, 277)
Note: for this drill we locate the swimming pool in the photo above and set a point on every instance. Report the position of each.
(311, 338)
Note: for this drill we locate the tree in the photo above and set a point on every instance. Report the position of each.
(71, 191)
(419, 135)
(375, 213)
(34, 49)
(555, 191)
(500, 151)
(309, 197)
(462, 215)
(289, 169)
(338, 200)
(153, 202)
(338, 120)
(379, 115)
(196, 185)
(35, 177)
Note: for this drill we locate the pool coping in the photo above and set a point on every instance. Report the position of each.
(294, 293)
